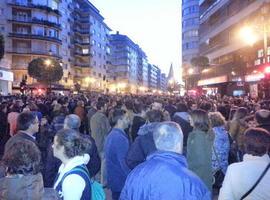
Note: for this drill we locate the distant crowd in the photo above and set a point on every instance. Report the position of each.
(137, 147)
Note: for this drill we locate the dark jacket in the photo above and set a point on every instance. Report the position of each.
(52, 164)
(184, 124)
(142, 146)
(164, 176)
(264, 126)
(19, 137)
(136, 124)
(116, 148)
(25, 188)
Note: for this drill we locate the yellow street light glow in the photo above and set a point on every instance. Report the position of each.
(122, 85)
(48, 62)
(87, 79)
(205, 70)
(247, 35)
(233, 73)
(171, 81)
(142, 88)
(190, 71)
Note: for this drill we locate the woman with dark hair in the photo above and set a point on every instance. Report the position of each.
(199, 147)
(73, 180)
(242, 176)
(23, 179)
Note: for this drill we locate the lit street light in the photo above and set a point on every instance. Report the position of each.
(248, 36)
(190, 71)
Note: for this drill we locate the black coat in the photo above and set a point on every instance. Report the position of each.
(185, 126)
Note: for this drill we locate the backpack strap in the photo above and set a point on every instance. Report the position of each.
(257, 182)
(81, 169)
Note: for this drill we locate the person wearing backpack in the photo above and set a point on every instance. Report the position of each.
(73, 179)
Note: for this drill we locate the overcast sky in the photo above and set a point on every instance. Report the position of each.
(155, 25)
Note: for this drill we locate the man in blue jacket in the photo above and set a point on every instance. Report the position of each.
(164, 175)
(116, 148)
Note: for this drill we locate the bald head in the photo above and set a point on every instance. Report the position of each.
(168, 136)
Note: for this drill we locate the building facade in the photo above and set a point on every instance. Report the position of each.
(236, 68)
(128, 63)
(153, 72)
(190, 39)
(63, 30)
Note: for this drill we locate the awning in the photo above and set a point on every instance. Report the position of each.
(214, 80)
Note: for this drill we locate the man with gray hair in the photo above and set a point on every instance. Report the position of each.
(164, 175)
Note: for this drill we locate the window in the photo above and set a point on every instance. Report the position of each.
(191, 22)
(93, 42)
(191, 33)
(54, 5)
(190, 10)
(1, 11)
(85, 51)
(190, 45)
(260, 53)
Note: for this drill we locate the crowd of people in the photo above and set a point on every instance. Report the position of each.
(138, 147)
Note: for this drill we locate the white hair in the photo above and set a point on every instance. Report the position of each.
(168, 136)
(72, 121)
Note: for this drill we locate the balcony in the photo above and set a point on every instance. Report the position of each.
(82, 31)
(26, 4)
(28, 50)
(35, 21)
(34, 36)
(80, 64)
(81, 43)
(79, 53)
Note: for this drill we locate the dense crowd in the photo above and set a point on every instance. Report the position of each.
(138, 147)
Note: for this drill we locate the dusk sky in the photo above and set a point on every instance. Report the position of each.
(155, 25)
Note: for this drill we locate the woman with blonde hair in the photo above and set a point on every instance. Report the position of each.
(199, 147)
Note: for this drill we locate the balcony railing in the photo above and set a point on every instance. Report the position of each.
(28, 50)
(34, 36)
(31, 5)
(80, 42)
(82, 31)
(79, 53)
(82, 64)
(35, 20)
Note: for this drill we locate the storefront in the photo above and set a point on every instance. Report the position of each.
(6, 78)
(253, 82)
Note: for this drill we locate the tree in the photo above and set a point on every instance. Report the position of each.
(45, 70)
(200, 61)
(2, 46)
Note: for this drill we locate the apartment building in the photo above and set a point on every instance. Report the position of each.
(71, 31)
(128, 69)
(190, 39)
(236, 68)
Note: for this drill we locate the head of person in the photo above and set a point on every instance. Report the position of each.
(80, 103)
(154, 116)
(262, 116)
(206, 106)
(216, 119)
(101, 106)
(256, 141)
(3, 107)
(28, 122)
(129, 105)
(157, 106)
(168, 136)
(199, 120)
(240, 113)
(120, 119)
(68, 144)
(23, 157)
(182, 107)
(72, 121)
